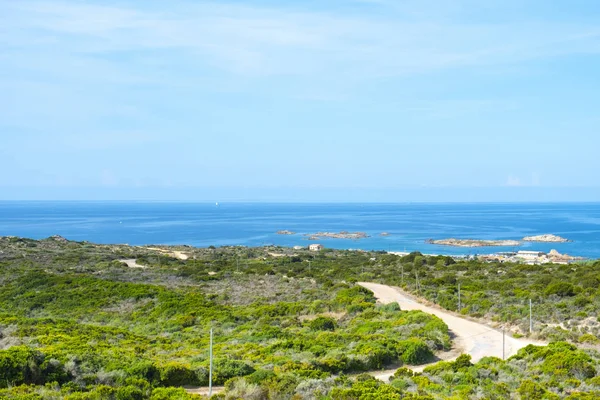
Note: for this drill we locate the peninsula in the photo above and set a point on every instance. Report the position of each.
(473, 242)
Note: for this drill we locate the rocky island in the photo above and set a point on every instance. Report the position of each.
(334, 235)
(548, 238)
(285, 232)
(473, 242)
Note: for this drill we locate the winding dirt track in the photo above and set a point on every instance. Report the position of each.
(470, 337)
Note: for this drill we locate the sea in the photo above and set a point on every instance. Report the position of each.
(408, 225)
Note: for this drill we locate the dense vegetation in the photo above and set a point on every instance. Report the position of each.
(86, 328)
(565, 298)
(77, 323)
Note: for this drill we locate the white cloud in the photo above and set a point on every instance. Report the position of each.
(259, 41)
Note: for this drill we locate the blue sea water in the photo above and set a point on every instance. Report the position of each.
(256, 224)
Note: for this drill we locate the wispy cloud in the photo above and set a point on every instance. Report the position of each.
(515, 181)
(107, 140)
(260, 41)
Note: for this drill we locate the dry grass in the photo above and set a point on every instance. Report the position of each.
(243, 289)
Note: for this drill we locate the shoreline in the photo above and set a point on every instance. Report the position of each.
(181, 251)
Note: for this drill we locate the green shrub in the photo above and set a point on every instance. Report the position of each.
(563, 289)
(402, 373)
(145, 370)
(171, 394)
(588, 338)
(260, 375)
(322, 324)
(22, 365)
(175, 374)
(530, 390)
(414, 352)
(390, 307)
(463, 361)
(581, 300)
(225, 369)
(129, 393)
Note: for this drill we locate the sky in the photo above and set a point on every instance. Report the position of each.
(353, 100)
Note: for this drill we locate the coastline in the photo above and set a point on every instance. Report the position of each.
(185, 252)
(252, 225)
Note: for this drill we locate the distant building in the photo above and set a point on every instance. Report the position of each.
(530, 254)
(315, 247)
(298, 247)
(507, 253)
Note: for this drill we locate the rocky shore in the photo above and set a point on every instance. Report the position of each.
(337, 235)
(548, 238)
(473, 242)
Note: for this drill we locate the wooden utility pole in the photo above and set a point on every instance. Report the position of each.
(417, 282)
(210, 370)
(402, 277)
(459, 305)
(530, 318)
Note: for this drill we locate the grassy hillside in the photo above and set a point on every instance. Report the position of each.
(77, 323)
(75, 319)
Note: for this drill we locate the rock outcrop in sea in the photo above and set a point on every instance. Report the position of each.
(473, 242)
(547, 238)
(335, 235)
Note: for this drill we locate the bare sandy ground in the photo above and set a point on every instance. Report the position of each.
(132, 263)
(470, 337)
(204, 390)
(175, 253)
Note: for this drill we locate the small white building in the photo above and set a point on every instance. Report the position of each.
(530, 255)
(298, 247)
(315, 247)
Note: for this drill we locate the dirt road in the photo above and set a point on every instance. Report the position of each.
(177, 254)
(470, 337)
(203, 390)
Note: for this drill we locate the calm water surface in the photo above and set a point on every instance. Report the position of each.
(255, 224)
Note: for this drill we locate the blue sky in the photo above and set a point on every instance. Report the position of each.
(366, 100)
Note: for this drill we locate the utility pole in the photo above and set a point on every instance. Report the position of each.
(211, 364)
(417, 282)
(309, 269)
(530, 319)
(402, 277)
(459, 297)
